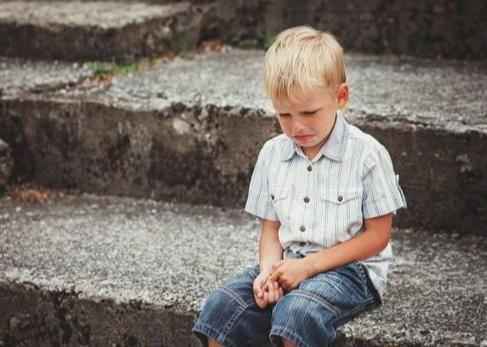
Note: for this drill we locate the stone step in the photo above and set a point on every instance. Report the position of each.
(79, 270)
(96, 30)
(428, 28)
(189, 129)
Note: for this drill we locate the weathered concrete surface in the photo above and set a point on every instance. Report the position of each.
(428, 28)
(189, 130)
(102, 271)
(96, 30)
(6, 164)
(18, 76)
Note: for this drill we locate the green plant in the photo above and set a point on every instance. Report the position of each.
(109, 69)
(268, 39)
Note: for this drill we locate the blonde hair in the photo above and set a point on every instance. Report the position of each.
(302, 58)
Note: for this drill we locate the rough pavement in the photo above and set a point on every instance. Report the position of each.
(108, 30)
(19, 75)
(100, 253)
(445, 94)
(205, 117)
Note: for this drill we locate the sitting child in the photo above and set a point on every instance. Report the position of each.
(325, 193)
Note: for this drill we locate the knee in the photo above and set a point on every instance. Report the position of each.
(300, 307)
(300, 315)
(228, 318)
(220, 303)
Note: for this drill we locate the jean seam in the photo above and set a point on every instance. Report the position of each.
(363, 277)
(234, 296)
(231, 322)
(286, 333)
(371, 291)
(317, 298)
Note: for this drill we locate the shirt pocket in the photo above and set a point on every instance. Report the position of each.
(342, 213)
(280, 197)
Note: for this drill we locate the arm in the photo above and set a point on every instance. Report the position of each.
(270, 250)
(368, 243)
(270, 253)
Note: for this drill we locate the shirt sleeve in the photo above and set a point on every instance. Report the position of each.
(382, 193)
(259, 202)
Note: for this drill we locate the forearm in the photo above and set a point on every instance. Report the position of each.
(270, 250)
(369, 243)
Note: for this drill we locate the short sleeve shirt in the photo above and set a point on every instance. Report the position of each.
(324, 201)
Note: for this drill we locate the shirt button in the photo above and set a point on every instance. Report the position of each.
(310, 168)
(302, 228)
(340, 198)
(306, 199)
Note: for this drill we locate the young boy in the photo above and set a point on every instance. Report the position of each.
(325, 193)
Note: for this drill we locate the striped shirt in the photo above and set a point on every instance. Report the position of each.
(324, 201)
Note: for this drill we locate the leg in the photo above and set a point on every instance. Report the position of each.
(310, 314)
(288, 343)
(213, 343)
(230, 316)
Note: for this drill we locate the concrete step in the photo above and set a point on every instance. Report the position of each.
(189, 129)
(428, 28)
(79, 270)
(96, 30)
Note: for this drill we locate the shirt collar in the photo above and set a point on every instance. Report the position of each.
(333, 149)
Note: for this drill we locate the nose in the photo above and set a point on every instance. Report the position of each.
(298, 127)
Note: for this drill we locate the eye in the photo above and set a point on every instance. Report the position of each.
(284, 115)
(310, 113)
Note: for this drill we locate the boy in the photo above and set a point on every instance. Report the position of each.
(325, 193)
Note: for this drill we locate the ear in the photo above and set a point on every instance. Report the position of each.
(342, 95)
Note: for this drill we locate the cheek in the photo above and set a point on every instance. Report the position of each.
(285, 125)
(312, 125)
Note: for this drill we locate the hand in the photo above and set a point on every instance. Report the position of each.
(266, 292)
(289, 273)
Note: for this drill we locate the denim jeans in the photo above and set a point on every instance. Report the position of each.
(308, 315)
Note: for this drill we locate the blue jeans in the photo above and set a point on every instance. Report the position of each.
(308, 315)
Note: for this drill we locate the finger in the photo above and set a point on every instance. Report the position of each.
(256, 289)
(260, 303)
(259, 292)
(273, 293)
(265, 289)
(277, 289)
(284, 284)
(275, 276)
(259, 284)
(270, 296)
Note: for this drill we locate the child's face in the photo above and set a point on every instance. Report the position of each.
(308, 118)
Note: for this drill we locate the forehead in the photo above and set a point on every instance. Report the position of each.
(303, 100)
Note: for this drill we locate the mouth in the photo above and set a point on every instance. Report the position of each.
(303, 138)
